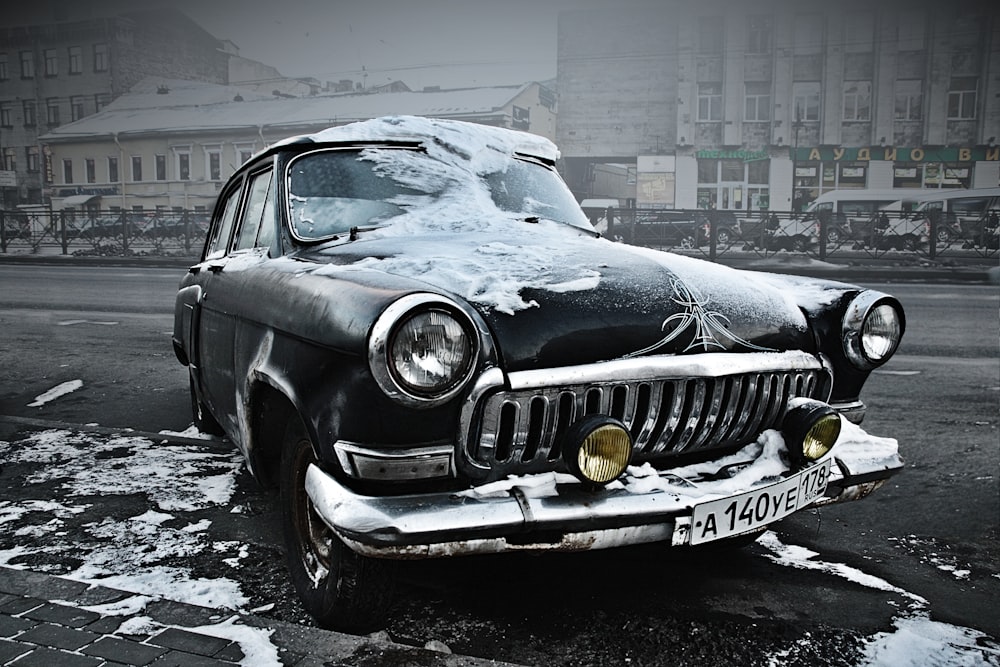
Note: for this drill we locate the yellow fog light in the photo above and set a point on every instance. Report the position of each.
(810, 428)
(597, 449)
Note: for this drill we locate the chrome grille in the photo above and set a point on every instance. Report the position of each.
(519, 431)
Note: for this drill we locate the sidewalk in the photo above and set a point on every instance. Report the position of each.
(47, 620)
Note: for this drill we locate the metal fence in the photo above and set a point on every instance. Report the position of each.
(113, 233)
(720, 233)
(712, 234)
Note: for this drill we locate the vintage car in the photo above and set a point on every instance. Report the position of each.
(410, 328)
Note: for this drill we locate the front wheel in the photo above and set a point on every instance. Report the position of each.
(342, 590)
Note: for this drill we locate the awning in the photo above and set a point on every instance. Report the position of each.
(77, 200)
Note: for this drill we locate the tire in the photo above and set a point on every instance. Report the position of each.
(833, 236)
(342, 590)
(800, 244)
(200, 416)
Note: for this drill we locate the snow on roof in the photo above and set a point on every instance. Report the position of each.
(189, 106)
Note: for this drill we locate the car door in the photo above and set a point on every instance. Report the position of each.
(229, 311)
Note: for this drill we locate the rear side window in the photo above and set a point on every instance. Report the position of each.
(222, 227)
(258, 216)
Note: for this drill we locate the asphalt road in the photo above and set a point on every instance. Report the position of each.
(932, 532)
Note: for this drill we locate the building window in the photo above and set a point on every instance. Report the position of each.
(962, 98)
(244, 151)
(10, 159)
(112, 169)
(760, 31)
(910, 29)
(857, 100)
(67, 170)
(758, 102)
(213, 162)
(909, 99)
(183, 159)
(100, 101)
(160, 162)
(805, 101)
(710, 34)
(136, 168)
(31, 153)
(807, 33)
(6, 117)
(4, 71)
(29, 113)
(75, 60)
(91, 168)
(76, 107)
(27, 65)
(859, 32)
(51, 62)
(52, 111)
(100, 57)
(709, 102)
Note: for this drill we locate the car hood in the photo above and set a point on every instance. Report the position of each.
(582, 299)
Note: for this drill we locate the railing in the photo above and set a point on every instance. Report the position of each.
(721, 233)
(712, 234)
(103, 232)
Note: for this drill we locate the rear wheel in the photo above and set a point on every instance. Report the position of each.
(339, 588)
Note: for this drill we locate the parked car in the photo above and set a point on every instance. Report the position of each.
(409, 327)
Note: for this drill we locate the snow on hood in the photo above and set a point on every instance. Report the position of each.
(507, 256)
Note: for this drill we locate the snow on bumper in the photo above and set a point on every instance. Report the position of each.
(553, 512)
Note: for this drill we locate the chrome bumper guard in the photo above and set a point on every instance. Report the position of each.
(522, 516)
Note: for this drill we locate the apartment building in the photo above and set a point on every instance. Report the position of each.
(58, 69)
(769, 103)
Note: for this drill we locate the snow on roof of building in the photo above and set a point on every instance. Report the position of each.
(158, 105)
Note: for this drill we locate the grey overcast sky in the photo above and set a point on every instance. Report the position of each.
(450, 43)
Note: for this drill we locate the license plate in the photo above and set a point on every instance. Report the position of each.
(748, 511)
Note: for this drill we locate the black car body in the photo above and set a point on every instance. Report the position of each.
(412, 329)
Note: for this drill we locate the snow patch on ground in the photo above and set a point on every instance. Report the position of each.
(917, 641)
(56, 392)
(137, 554)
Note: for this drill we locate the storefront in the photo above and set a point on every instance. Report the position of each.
(733, 180)
(819, 170)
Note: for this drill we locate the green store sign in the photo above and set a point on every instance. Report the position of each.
(896, 154)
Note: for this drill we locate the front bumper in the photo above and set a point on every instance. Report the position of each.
(548, 512)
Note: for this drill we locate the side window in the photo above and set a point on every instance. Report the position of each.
(258, 217)
(223, 227)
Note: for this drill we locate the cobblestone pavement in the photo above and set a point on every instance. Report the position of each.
(48, 621)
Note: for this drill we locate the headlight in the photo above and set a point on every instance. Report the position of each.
(810, 428)
(422, 350)
(872, 328)
(597, 449)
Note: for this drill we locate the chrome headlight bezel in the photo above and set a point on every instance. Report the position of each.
(382, 340)
(867, 310)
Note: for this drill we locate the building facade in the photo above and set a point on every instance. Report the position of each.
(169, 146)
(63, 69)
(768, 104)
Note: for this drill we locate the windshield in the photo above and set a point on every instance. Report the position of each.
(332, 191)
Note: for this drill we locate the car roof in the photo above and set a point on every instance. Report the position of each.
(468, 138)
